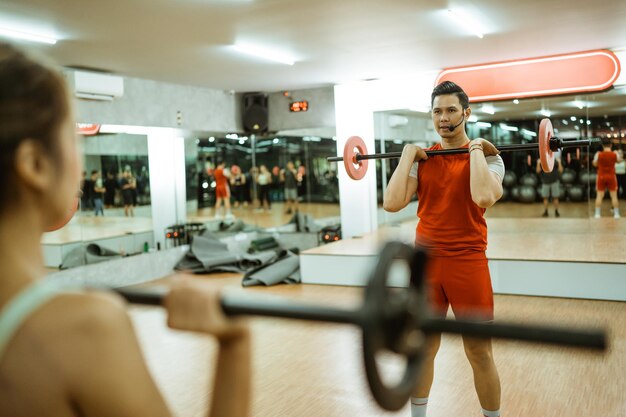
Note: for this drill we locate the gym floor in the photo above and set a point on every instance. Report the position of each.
(309, 370)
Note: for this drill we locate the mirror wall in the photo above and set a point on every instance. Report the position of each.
(517, 122)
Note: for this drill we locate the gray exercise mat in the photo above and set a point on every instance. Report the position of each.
(88, 254)
(284, 269)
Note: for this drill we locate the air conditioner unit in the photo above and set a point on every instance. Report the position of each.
(97, 86)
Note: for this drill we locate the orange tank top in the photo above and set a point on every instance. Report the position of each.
(220, 178)
(606, 163)
(450, 223)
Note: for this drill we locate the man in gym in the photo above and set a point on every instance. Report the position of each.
(550, 186)
(605, 161)
(453, 193)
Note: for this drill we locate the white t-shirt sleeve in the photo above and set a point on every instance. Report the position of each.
(413, 172)
(496, 164)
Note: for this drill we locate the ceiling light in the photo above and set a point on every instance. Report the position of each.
(27, 36)
(576, 127)
(588, 122)
(211, 139)
(263, 53)
(581, 121)
(545, 112)
(565, 122)
(466, 21)
(573, 118)
(516, 101)
(509, 128)
(276, 140)
(241, 141)
(483, 124)
(579, 104)
(529, 133)
(232, 136)
(472, 119)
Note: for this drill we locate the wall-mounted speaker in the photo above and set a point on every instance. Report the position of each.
(254, 113)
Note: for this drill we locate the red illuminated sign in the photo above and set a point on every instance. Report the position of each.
(536, 77)
(298, 106)
(87, 129)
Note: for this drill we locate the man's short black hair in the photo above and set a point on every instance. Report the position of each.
(606, 142)
(448, 87)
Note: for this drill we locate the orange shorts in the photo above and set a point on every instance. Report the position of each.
(222, 192)
(462, 282)
(606, 181)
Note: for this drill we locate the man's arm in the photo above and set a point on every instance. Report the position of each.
(538, 166)
(595, 159)
(485, 185)
(560, 166)
(401, 186)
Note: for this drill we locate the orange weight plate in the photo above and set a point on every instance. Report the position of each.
(355, 169)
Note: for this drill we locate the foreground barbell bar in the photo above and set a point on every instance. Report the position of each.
(355, 154)
(393, 320)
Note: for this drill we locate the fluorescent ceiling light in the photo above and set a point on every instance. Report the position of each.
(579, 104)
(573, 118)
(472, 119)
(276, 140)
(232, 136)
(565, 122)
(509, 128)
(483, 124)
(545, 112)
(263, 53)
(588, 122)
(516, 101)
(211, 139)
(529, 133)
(466, 21)
(27, 36)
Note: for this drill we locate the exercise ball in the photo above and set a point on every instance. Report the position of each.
(529, 179)
(510, 179)
(527, 193)
(562, 193)
(576, 192)
(515, 193)
(568, 176)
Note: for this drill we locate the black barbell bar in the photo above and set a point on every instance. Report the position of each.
(393, 320)
(555, 145)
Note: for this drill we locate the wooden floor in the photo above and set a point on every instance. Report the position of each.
(312, 370)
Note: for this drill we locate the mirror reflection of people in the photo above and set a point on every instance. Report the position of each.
(222, 190)
(110, 186)
(288, 176)
(620, 173)
(128, 185)
(264, 180)
(76, 353)
(98, 192)
(606, 179)
(238, 184)
(550, 186)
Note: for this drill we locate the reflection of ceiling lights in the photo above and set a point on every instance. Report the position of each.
(472, 119)
(483, 124)
(516, 101)
(565, 122)
(579, 104)
(529, 133)
(488, 108)
(335, 138)
(27, 36)
(588, 122)
(545, 112)
(581, 121)
(509, 128)
(232, 136)
(466, 21)
(573, 118)
(276, 140)
(576, 127)
(211, 139)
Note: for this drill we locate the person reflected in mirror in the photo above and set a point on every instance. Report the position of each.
(128, 185)
(238, 185)
(550, 186)
(288, 176)
(264, 180)
(222, 190)
(606, 179)
(98, 193)
(620, 172)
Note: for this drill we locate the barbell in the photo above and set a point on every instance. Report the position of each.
(393, 320)
(355, 154)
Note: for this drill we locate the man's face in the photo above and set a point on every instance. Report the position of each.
(447, 111)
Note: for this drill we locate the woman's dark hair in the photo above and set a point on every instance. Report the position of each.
(448, 87)
(33, 105)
